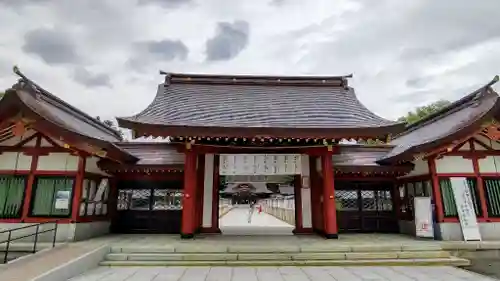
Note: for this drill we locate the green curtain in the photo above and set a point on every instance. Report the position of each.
(44, 192)
(45, 196)
(449, 205)
(11, 196)
(493, 196)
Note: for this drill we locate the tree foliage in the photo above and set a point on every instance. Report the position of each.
(423, 111)
(1, 95)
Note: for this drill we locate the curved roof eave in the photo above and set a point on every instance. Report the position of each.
(463, 132)
(215, 131)
(12, 101)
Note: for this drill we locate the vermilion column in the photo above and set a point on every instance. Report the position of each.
(189, 200)
(329, 208)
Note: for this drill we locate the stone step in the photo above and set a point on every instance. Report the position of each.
(274, 256)
(311, 248)
(452, 261)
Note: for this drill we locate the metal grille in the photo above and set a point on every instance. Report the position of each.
(369, 201)
(347, 200)
(149, 199)
(167, 199)
(384, 200)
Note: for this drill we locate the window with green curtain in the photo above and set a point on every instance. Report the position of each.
(449, 205)
(492, 187)
(52, 197)
(11, 196)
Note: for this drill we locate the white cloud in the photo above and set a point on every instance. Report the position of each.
(402, 53)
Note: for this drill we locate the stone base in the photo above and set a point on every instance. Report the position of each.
(331, 236)
(187, 235)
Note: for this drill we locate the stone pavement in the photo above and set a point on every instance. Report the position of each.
(442, 273)
(235, 222)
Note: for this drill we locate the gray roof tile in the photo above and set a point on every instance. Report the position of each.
(258, 105)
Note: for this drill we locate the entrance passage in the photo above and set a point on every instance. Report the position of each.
(257, 205)
(365, 207)
(148, 207)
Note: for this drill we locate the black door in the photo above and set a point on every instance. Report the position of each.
(148, 207)
(365, 207)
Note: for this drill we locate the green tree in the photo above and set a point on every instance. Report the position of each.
(1, 95)
(423, 111)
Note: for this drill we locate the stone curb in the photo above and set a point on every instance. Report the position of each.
(76, 266)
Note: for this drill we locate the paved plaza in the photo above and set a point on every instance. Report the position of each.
(280, 274)
(235, 222)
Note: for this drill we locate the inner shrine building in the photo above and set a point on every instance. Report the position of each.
(59, 163)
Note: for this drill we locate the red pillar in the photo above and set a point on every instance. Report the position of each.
(77, 193)
(189, 200)
(200, 191)
(30, 182)
(329, 208)
(436, 189)
(299, 227)
(215, 197)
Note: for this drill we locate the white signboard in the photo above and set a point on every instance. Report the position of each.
(103, 185)
(260, 164)
(62, 200)
(423, 217)
(465, 208)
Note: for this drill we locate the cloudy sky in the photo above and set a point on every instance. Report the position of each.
(103, 56)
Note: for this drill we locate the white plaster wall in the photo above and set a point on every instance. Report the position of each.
(15, 140)
(65, 232)
(305, 193)
(421, 168)
(91, 166)
(58, 162)
(490, 164)
(454, 164)
(465, 147)
(208, 186)
(15, 161)
(451, 231)
(495, 145)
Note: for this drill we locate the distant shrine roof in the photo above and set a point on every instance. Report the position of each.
(238, 105)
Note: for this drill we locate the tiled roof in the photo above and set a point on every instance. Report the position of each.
(51, 112)
(456, 121)
(359, 158)
(62, 112)
(155, 154)
(351, 157)
(207, 102)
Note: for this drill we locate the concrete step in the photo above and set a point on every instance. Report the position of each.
(275, 256)
(452, 261)
(306, 248)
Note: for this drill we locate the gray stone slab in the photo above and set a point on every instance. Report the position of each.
(286, 273)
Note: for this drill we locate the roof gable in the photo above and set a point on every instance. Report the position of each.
(459, 119)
